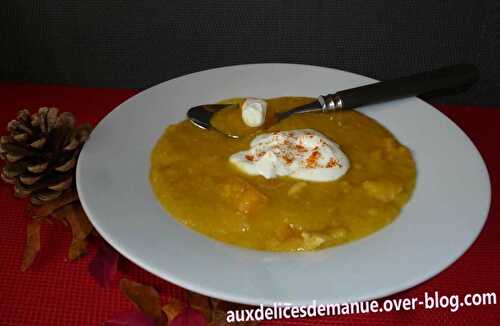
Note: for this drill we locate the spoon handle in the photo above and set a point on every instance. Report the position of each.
(446, 79)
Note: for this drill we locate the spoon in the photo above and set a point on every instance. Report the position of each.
(431, 83)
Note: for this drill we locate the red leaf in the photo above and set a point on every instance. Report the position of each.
(189, 317)
(104, 264)
(131, 318)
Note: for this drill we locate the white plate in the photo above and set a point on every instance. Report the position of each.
(445, 215)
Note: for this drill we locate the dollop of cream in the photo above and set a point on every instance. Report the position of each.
(304, 154)
(253, 112)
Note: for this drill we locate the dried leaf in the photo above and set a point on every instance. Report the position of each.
(224, 306)
(145, 297)
(173, 308)
(77, 249)
(78, 220)
(60, 215)
(220, 309)
(32, 244)
(131, 318)
(201, 303)
(220, 319)
(104, 264)
(48, 208)
(189, 317)
(80, 227)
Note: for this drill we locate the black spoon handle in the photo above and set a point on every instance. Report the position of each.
(451, 78)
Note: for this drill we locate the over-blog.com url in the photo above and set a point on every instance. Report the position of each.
(430, 300)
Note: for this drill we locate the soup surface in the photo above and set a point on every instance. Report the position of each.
(195, 182)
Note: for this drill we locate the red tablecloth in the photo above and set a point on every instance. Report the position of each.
(57, 292)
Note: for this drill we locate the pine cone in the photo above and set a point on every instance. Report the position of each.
(41, 151)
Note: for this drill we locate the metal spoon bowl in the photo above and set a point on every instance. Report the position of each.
(201, 116)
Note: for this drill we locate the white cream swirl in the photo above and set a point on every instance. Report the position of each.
(303, 154)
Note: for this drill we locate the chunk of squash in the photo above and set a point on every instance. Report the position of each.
(243, 196)
(385, 191)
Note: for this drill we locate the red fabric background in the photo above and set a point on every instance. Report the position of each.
(56, 292)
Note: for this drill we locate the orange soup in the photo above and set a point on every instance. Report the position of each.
(195, 182)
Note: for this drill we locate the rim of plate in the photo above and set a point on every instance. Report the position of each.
(389, 261)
